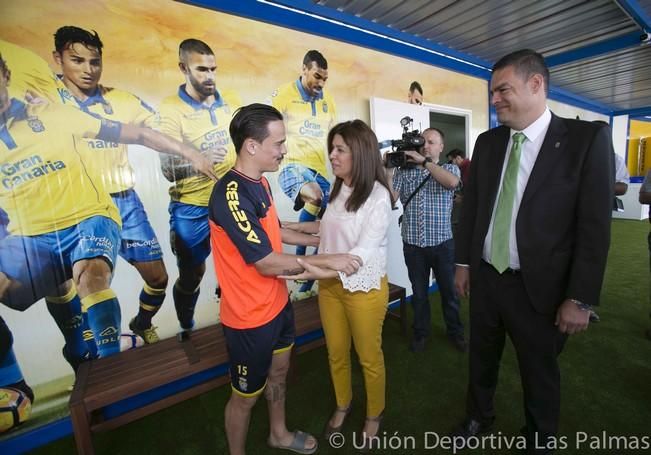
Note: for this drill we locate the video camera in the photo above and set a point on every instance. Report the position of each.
(411, 140)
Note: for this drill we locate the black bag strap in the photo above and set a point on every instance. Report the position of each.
(422, 184)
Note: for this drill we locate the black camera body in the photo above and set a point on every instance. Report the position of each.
(411, 140)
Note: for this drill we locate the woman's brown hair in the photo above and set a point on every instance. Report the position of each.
(367, 164)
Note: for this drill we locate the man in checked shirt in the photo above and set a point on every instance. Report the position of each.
(427, 236)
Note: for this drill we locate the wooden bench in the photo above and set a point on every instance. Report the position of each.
(116, 390)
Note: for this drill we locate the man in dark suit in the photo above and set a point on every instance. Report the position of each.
(532, 245)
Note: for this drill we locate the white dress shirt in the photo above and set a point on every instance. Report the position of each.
(621, 171)
(362, 233)
(535, 135)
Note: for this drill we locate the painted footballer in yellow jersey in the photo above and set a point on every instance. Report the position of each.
(308, 120)
(78, 53)
(31, 76)
(39, 165)
(309, 113)
(113, 161)
(198, 114)
(205, 127)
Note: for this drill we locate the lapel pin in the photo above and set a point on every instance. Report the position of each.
(557, 145)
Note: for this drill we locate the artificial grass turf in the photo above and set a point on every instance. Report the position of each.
(606, 377)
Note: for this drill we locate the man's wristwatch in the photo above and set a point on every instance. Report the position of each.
(581, 305)
(427, 160)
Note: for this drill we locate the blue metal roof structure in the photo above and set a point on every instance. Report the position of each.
(597, 50)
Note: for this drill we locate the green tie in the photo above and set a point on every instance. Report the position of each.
(502, 222)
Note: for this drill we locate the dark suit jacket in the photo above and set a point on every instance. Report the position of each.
(563, 224)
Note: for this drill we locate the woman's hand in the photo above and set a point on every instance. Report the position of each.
(347, 263)
(311, 272)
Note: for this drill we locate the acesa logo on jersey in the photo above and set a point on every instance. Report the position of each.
(35, 124)
(240, 217)
(325, 107)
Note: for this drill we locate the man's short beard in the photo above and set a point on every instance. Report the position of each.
(201, 89)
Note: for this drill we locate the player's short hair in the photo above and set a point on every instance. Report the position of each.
(454, 153)
(4, 69)
(69, 34)
(193, 45)
(526, 63)
(415, 86)
(252, 122)
(316, 57)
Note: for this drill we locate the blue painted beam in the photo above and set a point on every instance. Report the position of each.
(642, 118)
(330, 23)
(639, 112)
(602, 47)
(567, 97)
(633, 8)
(304, 16)
(366, 24)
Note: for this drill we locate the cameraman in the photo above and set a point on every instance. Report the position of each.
(427, 235)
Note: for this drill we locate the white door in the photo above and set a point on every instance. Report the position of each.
(385, 121)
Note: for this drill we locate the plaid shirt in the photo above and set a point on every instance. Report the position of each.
(426, 221)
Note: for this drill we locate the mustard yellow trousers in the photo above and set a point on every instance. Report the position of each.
(358, 317)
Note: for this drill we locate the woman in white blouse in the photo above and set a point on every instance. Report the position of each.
(353, 307)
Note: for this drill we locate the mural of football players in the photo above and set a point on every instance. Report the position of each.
(57, 232)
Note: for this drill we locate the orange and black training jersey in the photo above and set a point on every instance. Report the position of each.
(244, 229)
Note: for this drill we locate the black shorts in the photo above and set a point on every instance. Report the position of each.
(251, 350)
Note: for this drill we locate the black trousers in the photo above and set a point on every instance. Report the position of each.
(499, 306)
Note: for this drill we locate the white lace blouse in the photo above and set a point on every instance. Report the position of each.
(363, 233)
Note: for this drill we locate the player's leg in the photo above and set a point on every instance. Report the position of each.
(313, 210)
(93, 251)
(17, 410)
(190, 241)
(311, 196)
(275, 392)
(152, 296)
(140, 248)
(29, 270)
(92, 277)
(291, 179)
(250, 357)
(314, 193)
(65, 308)
(10, 374)
(32, 269)
(237, 416)
(186, 293)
